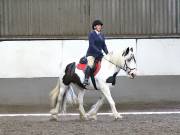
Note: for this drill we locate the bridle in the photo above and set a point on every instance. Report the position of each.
(125, 67)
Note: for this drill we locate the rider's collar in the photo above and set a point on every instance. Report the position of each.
(97, 32)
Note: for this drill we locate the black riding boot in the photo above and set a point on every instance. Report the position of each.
(87, 74)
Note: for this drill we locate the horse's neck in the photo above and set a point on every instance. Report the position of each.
(115, 58)
(109, 65)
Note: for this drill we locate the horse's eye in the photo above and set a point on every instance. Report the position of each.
(129, 60)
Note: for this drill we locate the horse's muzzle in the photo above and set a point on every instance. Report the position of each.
(132, 74)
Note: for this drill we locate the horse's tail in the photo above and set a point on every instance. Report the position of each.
(55, 92)
(54, 95)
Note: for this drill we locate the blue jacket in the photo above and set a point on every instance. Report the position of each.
(96, 45)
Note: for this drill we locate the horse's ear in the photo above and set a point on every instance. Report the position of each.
(126, 52)
(131, 49)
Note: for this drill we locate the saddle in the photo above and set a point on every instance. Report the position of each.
(83, 62)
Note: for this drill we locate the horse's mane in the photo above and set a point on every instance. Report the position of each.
(115, 57)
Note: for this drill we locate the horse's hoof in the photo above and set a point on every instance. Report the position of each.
(54, 118)
(92, 117)
(118, 117)
(53, 112)
(83, 117)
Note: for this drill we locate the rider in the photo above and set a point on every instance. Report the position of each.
(96, 45)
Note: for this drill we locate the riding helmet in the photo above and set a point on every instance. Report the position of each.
(96, 22)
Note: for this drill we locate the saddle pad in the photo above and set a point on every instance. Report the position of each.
(83, 67)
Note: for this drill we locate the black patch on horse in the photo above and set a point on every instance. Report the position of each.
(70, 69)
(71, 77)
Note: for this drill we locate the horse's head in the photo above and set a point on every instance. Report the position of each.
(129, 62)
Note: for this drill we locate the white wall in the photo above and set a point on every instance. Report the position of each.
(26, 59)
(29, 58)
(158, 56)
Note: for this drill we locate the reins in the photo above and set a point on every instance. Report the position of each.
(125, 67)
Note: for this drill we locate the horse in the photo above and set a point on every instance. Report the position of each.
(111, 64)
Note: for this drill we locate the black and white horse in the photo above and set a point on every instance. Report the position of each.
(111, 64)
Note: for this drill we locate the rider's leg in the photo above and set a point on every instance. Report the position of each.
(89, 66)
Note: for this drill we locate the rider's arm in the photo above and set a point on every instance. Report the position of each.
(105, 47)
